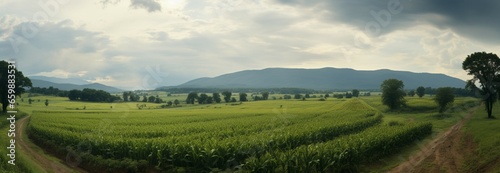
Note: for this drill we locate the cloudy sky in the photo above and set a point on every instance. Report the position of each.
(136, 44)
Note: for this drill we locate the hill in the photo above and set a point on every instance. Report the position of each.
(76, 81)
(68, 86)
(322, 79)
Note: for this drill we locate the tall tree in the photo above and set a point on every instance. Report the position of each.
(227, 96)
(202, 99)
(243, 97)
(444, 96)
(74, 94)
(125, 96)
(176, 102)
(485, 69)
(393, 93)
(12, 83)
(265, 95)
(191, 97)
(420, 91)
(216, 97)
(355, 93)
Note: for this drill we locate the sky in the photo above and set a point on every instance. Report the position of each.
(144, 44)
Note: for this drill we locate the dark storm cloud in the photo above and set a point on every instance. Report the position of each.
(474, 19)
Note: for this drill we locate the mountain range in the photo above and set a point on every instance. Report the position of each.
(322, 79)
(69, 84)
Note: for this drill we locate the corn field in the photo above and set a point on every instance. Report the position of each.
(334, 136)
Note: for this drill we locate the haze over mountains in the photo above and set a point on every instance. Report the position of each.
(69, 84)
(322, 79)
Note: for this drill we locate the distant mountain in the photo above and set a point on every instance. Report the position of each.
(76, 81)
(68, 86)
(322, 79)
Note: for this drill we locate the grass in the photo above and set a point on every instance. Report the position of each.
(418, 110)
(23, 164)
(486, 134)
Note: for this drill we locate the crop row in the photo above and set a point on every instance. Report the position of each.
(203, 153)
(342, 154)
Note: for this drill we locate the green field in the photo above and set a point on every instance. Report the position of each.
(261, 136)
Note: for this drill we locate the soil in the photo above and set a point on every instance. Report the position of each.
(50, 165)
(446, 153)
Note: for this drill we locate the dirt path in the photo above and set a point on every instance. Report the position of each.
(444, 154)
(44, 162)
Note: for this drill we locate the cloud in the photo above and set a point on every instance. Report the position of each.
(150, 5)
(474, 19)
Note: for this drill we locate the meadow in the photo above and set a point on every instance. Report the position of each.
(261, 136)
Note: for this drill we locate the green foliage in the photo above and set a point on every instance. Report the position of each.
(92, 95)
(393, 93)
(198, 143)
(411, 93)
(216, 97)
(485, 69)
(243, 97)
(444, 97)
(420, 91)
(265, 95)
(12, 82)
(227, 96)
(191, 97)
(355, 93)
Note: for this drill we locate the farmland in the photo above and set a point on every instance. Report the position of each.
(273, 135)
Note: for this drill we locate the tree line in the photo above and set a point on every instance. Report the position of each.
(51, 91)
(92, 95)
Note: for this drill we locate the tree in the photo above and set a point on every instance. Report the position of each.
(233, 99)
(411, 93)
(169, 103)
(355, 93)
(393, 93)
(176, 102)
(12, 83)
(348, 95)
(297, 96)
(227, 96)
(420, 91)
(144, 98)
(307, 96)
(46, 102)
(243, 97)
(125, 96)
(151, 99)
(216, 97)
(209, 100)
(327, 95)
(191, 97)
(158, 99)
(74, 94)
(202, 99)
(444, 96)
(485, 69)
(265, 95)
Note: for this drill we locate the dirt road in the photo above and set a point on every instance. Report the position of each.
(50, 165)
(444, 154)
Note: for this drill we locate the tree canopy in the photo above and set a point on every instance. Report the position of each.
(11, 78)
(485, 70)
(420, 91)
(444, 97)
(393, 93)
